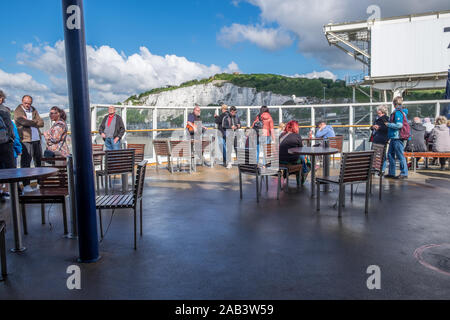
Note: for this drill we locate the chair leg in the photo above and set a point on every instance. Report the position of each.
(240, 183)
(141, 218)
(351, 192)
(66, 232)
(43, 213)
(341, 199)
(371, 183)
(287, 181)
(257, 188)
(135, 229)
(101, 223)
(267, 183)
(24, 219)
(318, 196)
(366, 209)
(3, 253)
(381, 186)
(298, 176)
(279, 185)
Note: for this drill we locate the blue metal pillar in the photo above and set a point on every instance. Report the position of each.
(80, 116)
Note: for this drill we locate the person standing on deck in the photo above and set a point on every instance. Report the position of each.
(398, 133)
(28, 122)
(112, 129)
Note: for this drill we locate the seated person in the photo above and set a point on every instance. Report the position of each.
(440, 138)
(290, 138)
(324, 131)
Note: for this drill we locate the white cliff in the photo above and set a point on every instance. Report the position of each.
(214, 93)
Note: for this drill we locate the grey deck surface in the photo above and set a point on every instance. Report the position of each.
(202, 242)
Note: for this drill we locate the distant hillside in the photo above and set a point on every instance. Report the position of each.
(336, 91)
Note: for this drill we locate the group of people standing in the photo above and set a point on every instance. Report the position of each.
(21, 135)
(402, 137)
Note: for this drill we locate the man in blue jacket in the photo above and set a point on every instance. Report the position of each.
(397, 145)
(324, 131)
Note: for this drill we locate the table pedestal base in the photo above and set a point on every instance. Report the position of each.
(17, 226)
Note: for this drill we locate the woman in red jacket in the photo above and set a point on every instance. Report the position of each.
(264, 121)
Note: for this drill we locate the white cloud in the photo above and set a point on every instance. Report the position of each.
(113, 76)
(316, 75)
(267, 38)
(17, 85)
(305, 20)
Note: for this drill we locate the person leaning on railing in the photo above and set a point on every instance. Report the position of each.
(440, 137)
(230, 124)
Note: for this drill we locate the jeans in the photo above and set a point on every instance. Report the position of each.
(110, 145)
(396, 150)
(224, 149)
(30, 151)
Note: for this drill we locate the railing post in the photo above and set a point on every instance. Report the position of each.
(249, 121)
(185, 116)
(313, 119)
(155, 123)
(124, 118)
(280, 115)
(351, 136)
(438, 109)
(93, 122)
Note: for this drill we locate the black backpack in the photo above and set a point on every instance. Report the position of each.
(4, 134)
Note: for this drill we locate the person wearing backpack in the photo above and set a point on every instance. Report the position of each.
(6, 136)
(399, 132)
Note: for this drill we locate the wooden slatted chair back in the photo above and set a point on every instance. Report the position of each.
(97, 159)
(356, 166)
(139, 152)
(162, 148)
(180, 148)
(57, 181)
(140, 180)
(271, 155)
(119, 161)
(379, 156)
(247, 160)
(337, 142)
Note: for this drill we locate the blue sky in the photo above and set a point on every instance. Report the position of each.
(203, 37)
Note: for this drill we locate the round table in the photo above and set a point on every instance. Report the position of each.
(13, 176)
(313, 152)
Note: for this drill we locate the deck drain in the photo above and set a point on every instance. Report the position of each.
(435, 257)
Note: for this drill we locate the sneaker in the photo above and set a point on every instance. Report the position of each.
(401, 177)
(2, 199)
(5, 195)
(27, 189)
(229, 166)
(390, 176)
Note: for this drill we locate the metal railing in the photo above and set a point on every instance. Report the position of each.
(352, 120)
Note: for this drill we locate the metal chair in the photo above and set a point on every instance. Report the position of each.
(117, 162)
(98, 160)
(125, 201)
(52, 190)
(355, 168)
(139, 152)
(337, 143)
(248, 165)
(182, 149)
(162, 149)
(3, 249)
(377, 165)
